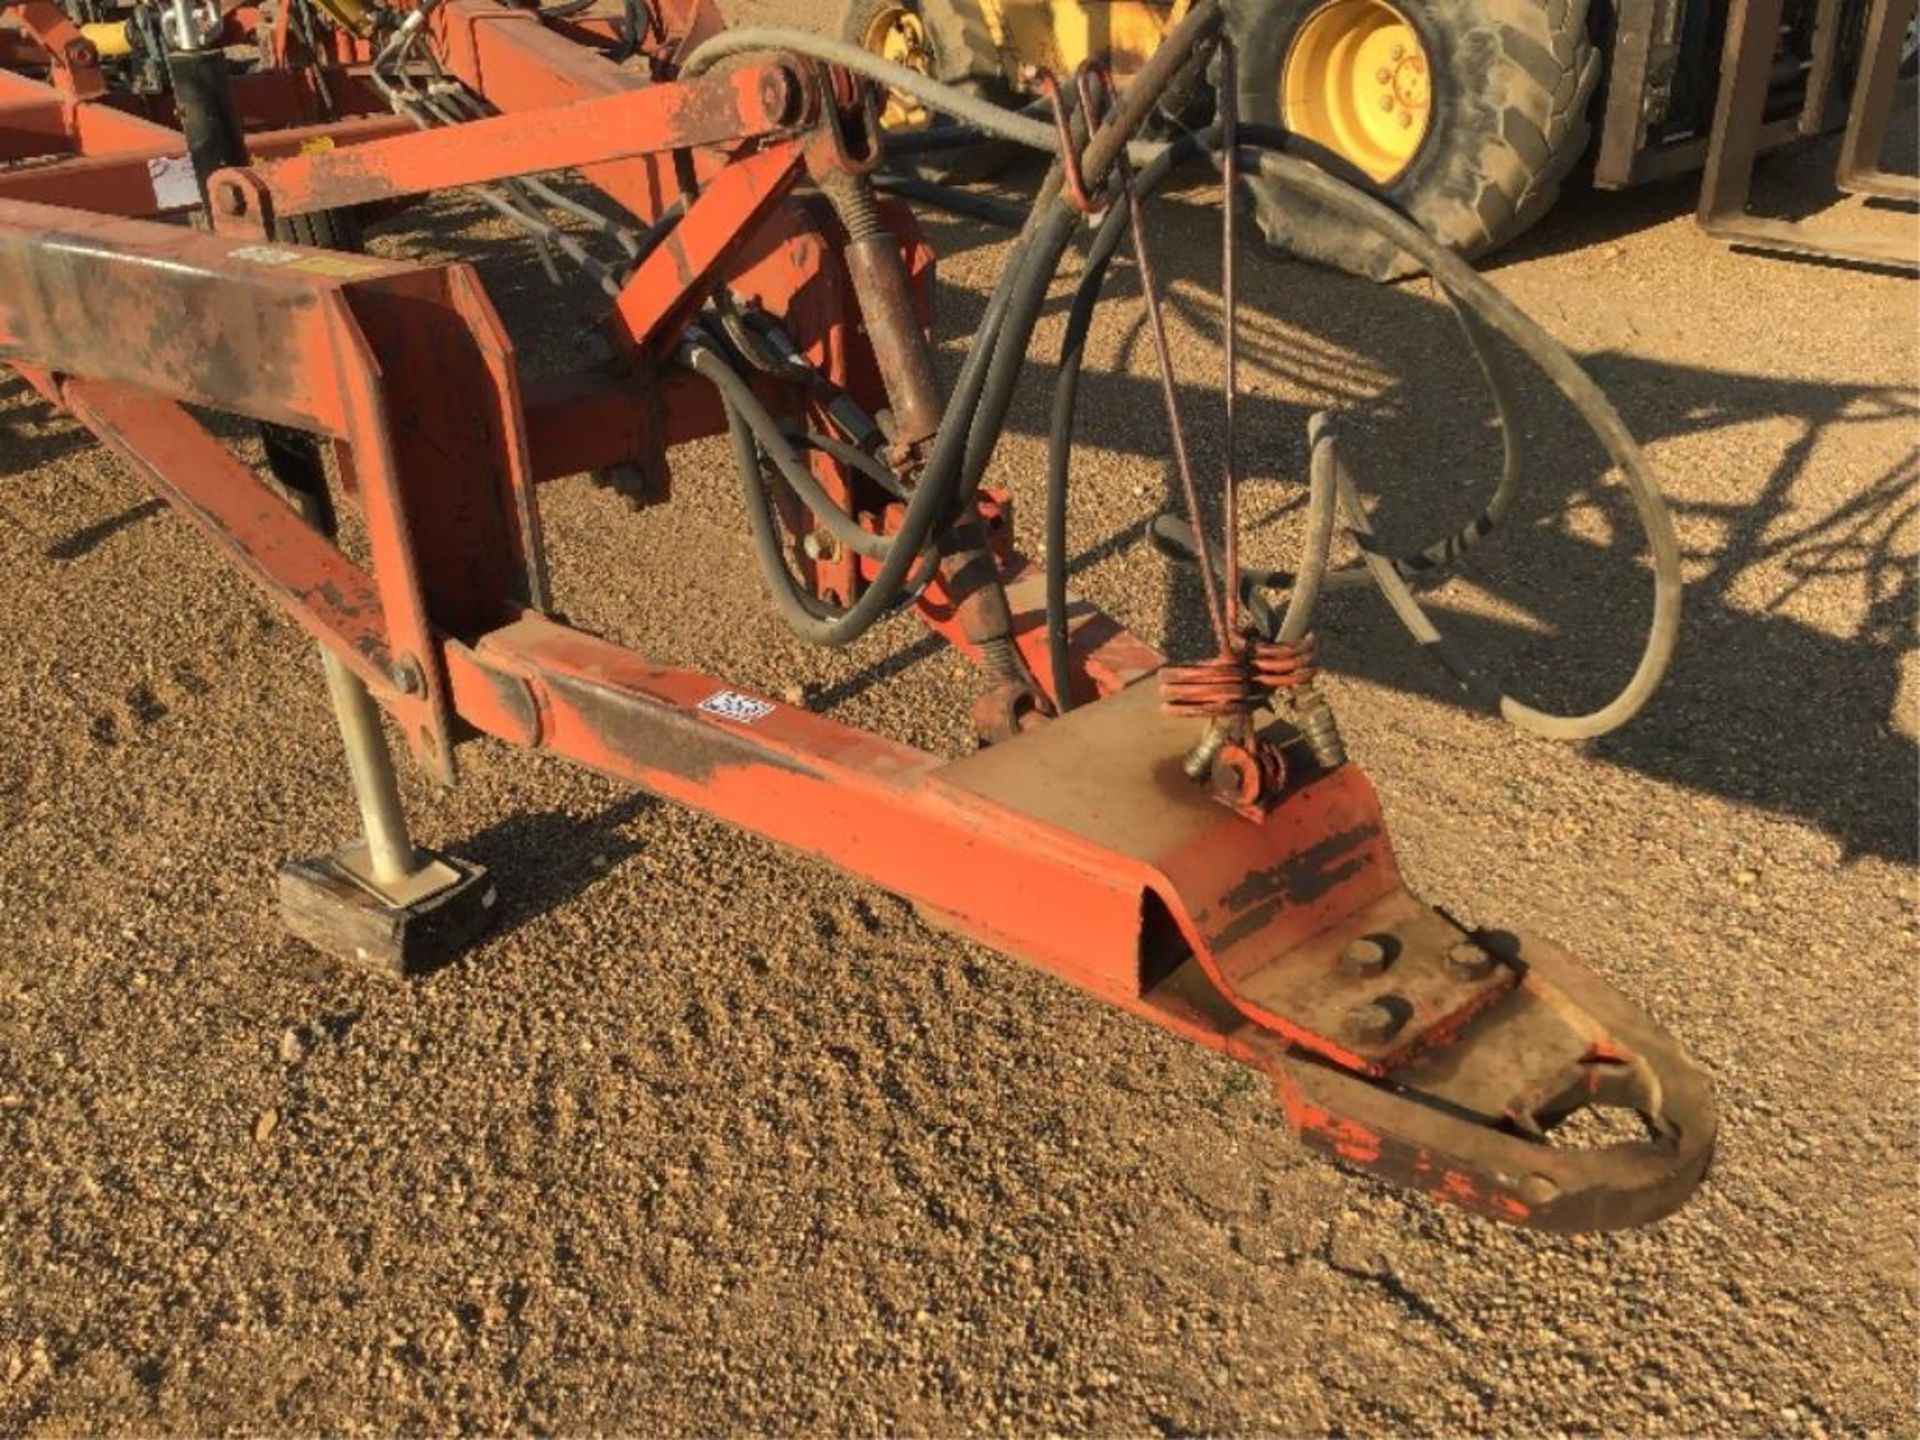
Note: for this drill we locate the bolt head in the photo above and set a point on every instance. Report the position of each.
(1406, 119)
(1373, 1022)
(1383, 75)
(781, 96)
(1399, 52)
(1469, 961)
(1363, 957)
(1386, 102)
(406, 676)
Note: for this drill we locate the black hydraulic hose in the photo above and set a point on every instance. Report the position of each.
(1170, 532)
(1505, 318)
(1323, 507)
(1481, 308)
(1165, 66)
(970, 425)
(799, 609)
(854, 458)
(985, 208)
(1032, 280)
(740, 401)
(934, 495)
(796, 606)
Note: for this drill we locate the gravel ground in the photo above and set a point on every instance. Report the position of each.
(710, 1139)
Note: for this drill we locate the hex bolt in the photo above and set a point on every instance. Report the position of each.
(406, 676)
(1383, 75)
(1398, 53)
(782, 96)
(1469, 961)
(1386, 102)
(1363, 958)
(1375, 1021)
(1406, 119)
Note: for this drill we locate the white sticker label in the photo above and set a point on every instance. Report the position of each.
(265, 254)
(174, 187)
(732, 705)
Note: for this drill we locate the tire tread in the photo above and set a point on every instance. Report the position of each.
(1540, 54)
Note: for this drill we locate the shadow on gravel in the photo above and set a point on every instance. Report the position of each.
(90, 537)
(32, 434)
(1759, 707)
(540, 860)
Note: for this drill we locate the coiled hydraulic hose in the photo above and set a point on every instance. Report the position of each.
(972, 421)
(1480, 309)
(1488, 306)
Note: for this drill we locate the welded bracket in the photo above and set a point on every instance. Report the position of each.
(155, 317)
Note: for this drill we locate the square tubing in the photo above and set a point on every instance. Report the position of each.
(1753, 27)
(1868, 117)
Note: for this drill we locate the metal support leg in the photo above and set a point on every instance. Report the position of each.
(391, 858)
(380, 902)
(390, 863)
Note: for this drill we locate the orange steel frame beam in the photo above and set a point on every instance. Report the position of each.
(1078, 846)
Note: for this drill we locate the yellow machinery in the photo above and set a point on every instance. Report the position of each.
(1466, 114)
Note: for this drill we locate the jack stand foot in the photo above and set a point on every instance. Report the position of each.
(418, 924)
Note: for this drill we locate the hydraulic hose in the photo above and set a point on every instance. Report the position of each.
(971, 422)
(1323, 505)
(1506, 319)
(1480, 309)
(940, 491)
(1073, 349)
(742, 403)
(983, 115)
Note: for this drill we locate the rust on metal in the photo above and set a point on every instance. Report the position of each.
(1275, 928)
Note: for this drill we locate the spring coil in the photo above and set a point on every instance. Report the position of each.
(1237, 683)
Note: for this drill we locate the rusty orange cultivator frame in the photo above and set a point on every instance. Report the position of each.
(1194, 848)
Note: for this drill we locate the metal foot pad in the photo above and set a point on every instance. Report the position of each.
(332, 903)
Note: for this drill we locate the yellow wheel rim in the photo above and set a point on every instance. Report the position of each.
(895, 33)
(1355, 80)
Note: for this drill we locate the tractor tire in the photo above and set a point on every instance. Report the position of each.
(962, 55)
(1509, 85)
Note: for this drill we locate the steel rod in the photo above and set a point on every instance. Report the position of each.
(390, 852)
(1229, 103)
(1157, 329)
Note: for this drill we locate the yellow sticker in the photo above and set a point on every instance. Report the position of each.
(313, 145)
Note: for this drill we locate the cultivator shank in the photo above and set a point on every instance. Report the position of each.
(1188, 843)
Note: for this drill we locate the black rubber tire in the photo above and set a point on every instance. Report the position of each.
(322, 229)
(1511, 83)
(965, 57)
